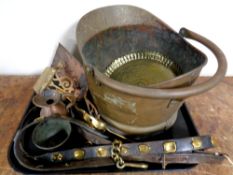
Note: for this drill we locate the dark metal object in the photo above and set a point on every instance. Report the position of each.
(102, 37)
(51, 134)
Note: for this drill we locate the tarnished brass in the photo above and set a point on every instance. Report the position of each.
(101, 152)
(97, 123)
(213, 141)
(133, 165)
(142, 69)
(79, 154)
(197, 143)
(44, 80)
(50, 79)
(62, 84)
(169, 147)
(143, 148)
(124, 150)
(117, 158)
(137, 103)
(57, 156)
(94, 122)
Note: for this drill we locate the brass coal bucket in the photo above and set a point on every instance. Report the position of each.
(139, 70)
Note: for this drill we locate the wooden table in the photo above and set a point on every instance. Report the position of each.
(212, 113)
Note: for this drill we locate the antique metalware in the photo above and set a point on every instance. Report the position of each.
(169, 147)
(101, 152)
(51, 134)
(57, 156)
(213, 140)
(92, 143)
(117, 158)
(197, 143)
(50, 79)
(97, 123)
(94, 156)
(140, 69)
(44, 80)
(79, 154)
(124, 150)
(119, 46)
(144, 148)
(50, 102)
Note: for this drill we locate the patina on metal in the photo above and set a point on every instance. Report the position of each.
(101, 152)
(142, 69)
(144, 148)
(197, 143)
(79, 154)
(51, 134)
(169, 147)
(117, 158)
(57, 156)
(44, 80)
(108, 34)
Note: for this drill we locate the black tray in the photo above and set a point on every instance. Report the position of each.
(183, 127)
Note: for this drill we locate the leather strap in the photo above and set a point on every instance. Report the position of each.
(138, 149)
(163, 159)
(89, 133)
(178, 151)
(180, 158)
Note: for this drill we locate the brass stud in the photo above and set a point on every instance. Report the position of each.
(67, 164)
(57, 156)
(213, 141)
(169, 147)
(79, 154)
(143, 148)
(197, 143)
(101, 152)
(124, 150)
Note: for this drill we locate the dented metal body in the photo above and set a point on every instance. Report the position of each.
(133, 114)
(108, 33)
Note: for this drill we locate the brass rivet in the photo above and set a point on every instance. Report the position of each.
(57, 156)
(79, 154)
(124, 150)
(101, 152)
(213, 141)
(197, 143)
(169, 147)
(143, 148)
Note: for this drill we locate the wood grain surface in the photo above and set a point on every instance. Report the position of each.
(212, 113)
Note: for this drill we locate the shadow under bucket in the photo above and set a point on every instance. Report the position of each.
(139, 70)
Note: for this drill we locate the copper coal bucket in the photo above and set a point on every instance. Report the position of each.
(110, 39)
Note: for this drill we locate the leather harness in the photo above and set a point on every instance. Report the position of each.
(188, 150)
